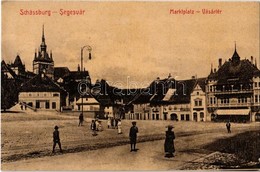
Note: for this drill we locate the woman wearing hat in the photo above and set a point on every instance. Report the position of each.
(169, 142)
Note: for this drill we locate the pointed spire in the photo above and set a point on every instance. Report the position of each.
(211, 71)
(43, 38)
(43, 45)
(235, 58)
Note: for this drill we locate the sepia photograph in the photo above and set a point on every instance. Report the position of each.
(130, 85)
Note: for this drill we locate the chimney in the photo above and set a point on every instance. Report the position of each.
(219, 62)
(169, 76)
(252, 59)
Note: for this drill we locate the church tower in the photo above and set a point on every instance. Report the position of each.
(43, 62)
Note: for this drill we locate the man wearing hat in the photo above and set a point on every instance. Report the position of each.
(133, 135)
(169, 142)
(56, 139)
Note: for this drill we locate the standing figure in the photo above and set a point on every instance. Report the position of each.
(81, 119)
(108, 122)
(169, 142)
(119, 126)
(100, 128)
(56, 139)
(133, 135)
(228, 125)
(93, 127)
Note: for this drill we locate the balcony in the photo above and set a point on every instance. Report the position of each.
(248, 104)
(233, 92)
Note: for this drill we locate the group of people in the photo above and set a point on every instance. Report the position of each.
(168, 145)
(115, 123)
(95, 126)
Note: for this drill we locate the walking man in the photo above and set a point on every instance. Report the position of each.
(56, 139)
(133, 135)
(228, 125)
(81, 119)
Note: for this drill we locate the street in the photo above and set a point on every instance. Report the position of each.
(150, 156)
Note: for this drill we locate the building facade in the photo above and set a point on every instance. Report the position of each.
(233, 90)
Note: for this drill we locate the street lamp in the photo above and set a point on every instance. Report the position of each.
(89, 50)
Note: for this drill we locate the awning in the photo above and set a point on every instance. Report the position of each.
(233, 111)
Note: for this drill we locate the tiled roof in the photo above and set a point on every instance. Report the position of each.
(183, 91)
(41, 83)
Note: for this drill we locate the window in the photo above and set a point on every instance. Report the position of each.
(255, 84)
(30, 94)
(37, 104)
(201, 116)
(47, 105)
(211, 102)
(258, 84)
(187, 117)
(53, 105)
(200, 103)
(256, 98)
(182, 117)
(196, 103)
(198, 93)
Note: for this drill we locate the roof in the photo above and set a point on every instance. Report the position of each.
(61, 72)
(241, 70)
(5, 68)
(76, 75)
(41, 83)
(184, 89)
(202, 83)
(17, 62)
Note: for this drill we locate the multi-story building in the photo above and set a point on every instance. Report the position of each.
(233, 90)
(171, 100)
(42, 93)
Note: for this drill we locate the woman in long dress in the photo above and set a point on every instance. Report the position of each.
(169, 142)
(119, 127)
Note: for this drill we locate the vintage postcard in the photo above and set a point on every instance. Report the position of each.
(130, 85)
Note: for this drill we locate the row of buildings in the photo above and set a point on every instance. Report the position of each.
(231, 92)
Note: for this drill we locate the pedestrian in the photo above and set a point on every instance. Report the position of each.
(56, 139)
(228, 125)
(169, 143)
(100, 128)
(81, 119)
(93, 127)
(119, 126)
(97, 124)
(116, 123)
(108, 122)
(133, 135)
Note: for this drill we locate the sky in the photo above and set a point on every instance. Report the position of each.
(133, 43)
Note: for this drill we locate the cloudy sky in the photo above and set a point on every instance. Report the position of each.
(135, 40)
